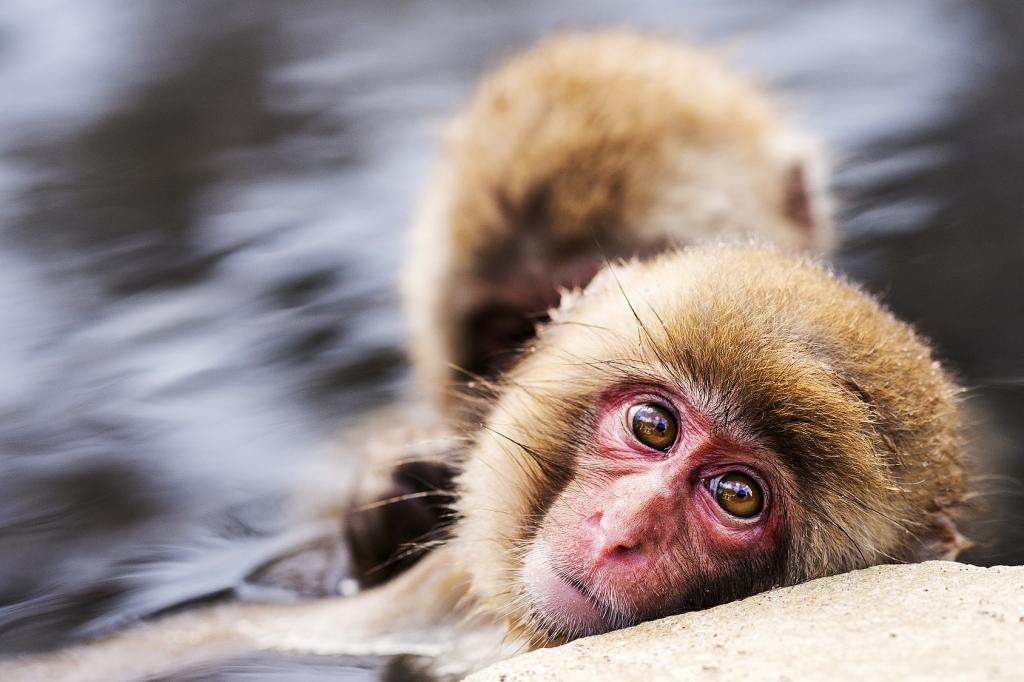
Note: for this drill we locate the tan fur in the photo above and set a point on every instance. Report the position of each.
(864, 417)
(615, 138)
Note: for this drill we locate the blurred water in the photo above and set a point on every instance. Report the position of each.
(201, 209)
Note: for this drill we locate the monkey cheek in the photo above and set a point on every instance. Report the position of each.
(561, 606)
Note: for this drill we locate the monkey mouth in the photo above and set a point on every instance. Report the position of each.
(579, 587)
(563, 603)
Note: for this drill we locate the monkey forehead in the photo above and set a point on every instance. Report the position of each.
(755, 333)
(725, 298)
(717, 298)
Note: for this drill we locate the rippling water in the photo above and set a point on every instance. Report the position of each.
(201, 211)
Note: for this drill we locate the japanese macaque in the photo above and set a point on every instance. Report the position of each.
(587, 148)
(686, 430)
(698, 428)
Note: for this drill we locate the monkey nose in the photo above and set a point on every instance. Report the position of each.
(613, 540)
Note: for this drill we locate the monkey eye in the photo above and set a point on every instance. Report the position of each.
(653, 425)
(737, 494)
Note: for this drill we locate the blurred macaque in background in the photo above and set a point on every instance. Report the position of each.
(588, 148)
(202, 225)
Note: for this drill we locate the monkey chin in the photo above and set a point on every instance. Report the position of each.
(565, 609)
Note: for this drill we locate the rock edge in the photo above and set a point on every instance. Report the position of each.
(936, 620)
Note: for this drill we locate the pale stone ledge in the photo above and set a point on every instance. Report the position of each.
(933, 621)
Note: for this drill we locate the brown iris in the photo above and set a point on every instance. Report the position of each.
(738, 494)
(653, 425)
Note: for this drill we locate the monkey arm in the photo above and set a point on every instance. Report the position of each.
(401, 505)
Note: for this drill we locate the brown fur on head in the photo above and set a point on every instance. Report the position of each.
(592, 145)
(862, 418)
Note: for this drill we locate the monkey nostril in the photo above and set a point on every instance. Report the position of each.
(618, 550)
(626, 550)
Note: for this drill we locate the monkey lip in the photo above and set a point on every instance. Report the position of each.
(560, 601)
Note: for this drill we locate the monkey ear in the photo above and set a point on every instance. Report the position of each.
(797, 198)
(941, 540)
(805, 198)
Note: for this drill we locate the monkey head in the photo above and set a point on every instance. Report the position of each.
(591, 146)
(698, 428)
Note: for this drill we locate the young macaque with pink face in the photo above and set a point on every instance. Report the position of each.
(698, 428)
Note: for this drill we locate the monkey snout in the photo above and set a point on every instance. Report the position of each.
(632, 527)
(617, 543)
